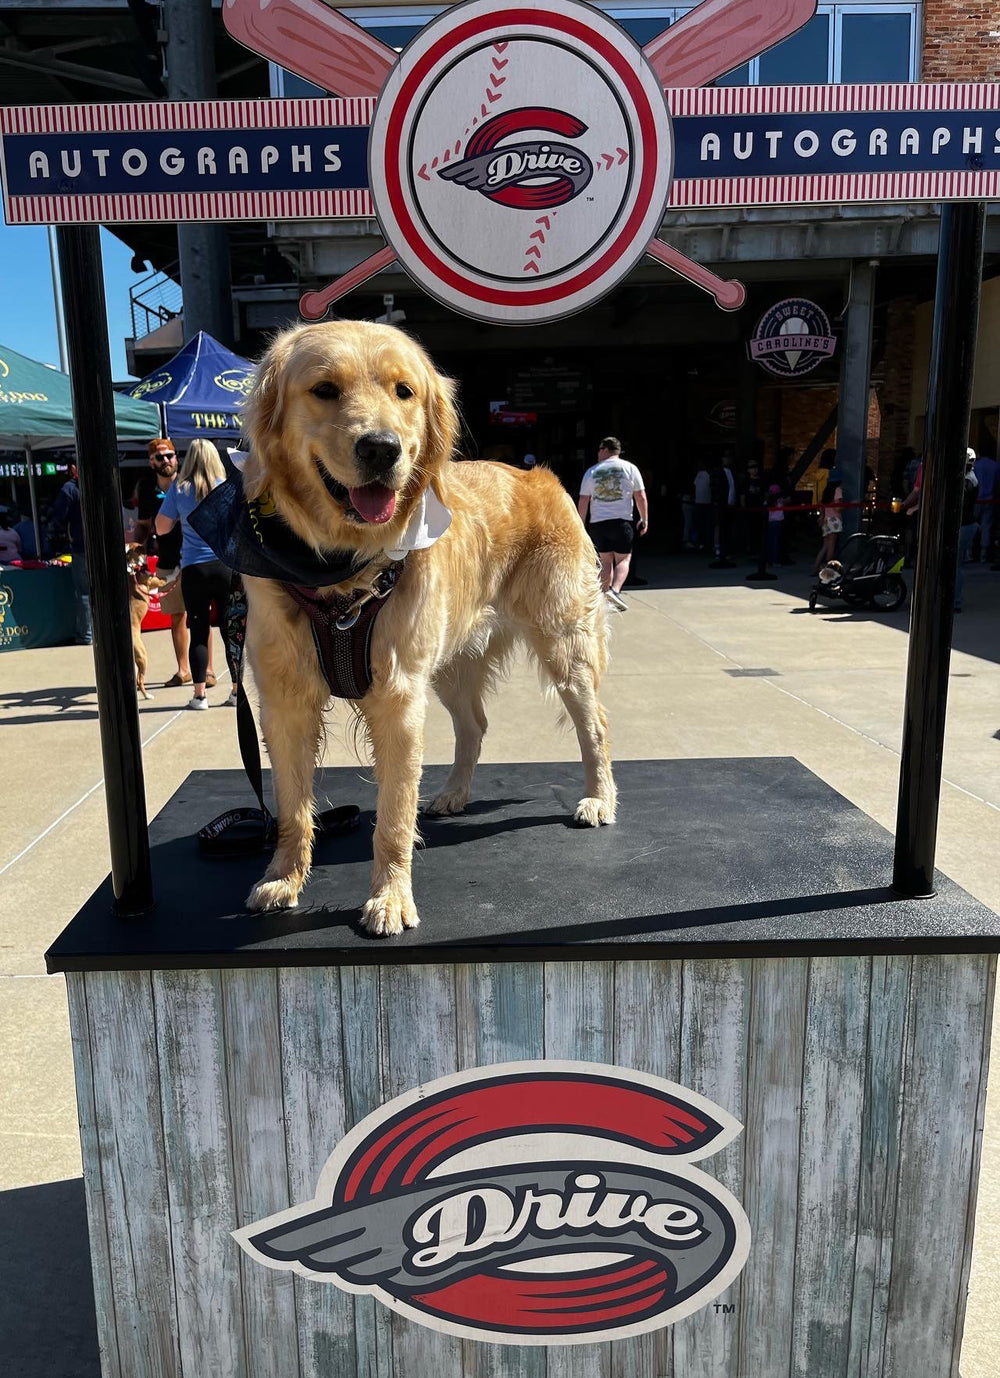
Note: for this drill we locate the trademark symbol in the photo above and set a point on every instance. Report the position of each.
(590, 198)
(727, 1308)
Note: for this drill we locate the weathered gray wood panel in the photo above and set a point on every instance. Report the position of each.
(879, 1171)
(141, 1240)
(253, 1049)
(833, 1087)
(947, 1023)
(778, 995)
(210, 1099)
(713, 1063)
(200, 1177)
(93, 1176)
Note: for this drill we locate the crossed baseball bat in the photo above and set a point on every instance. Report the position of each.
(714, 38)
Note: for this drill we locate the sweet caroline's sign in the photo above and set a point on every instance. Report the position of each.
(539, 1203)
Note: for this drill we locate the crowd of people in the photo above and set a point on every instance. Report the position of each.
(729, 511)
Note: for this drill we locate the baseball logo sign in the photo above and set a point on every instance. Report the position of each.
(530, 1203)
(505, 207)
(792, 337)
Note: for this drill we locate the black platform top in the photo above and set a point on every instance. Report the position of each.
(708, 858)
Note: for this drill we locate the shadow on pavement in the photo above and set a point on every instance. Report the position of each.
(47, 1324)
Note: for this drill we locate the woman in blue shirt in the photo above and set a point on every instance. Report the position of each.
(204, 579)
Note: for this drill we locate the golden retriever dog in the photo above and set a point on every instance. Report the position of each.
(348, 424)
(141, 581)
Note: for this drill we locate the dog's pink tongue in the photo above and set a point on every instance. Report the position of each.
(374, 502)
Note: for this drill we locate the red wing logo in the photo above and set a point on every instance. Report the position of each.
(533, 1203)
(528, 175)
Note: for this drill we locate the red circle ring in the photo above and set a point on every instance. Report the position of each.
(401, 104)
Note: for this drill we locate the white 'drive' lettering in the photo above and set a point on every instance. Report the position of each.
(515, 163)
(482, 1218)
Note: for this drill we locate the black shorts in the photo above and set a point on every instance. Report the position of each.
(612, 537)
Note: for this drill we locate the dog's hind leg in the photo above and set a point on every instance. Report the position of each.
(141, 664)
(573, 663)
(462, 688)
(292, 734)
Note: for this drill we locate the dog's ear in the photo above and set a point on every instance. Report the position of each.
(442, 419)
(262, 414)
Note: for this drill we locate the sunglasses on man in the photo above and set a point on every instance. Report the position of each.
(165, 454)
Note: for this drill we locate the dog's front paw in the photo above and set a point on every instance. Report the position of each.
(591, 813)
(388, 913)
(449, 801)
(273, 894)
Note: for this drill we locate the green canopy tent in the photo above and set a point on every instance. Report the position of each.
(36, 413)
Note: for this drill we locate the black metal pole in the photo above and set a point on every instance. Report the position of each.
(949, 403)
(104, 540)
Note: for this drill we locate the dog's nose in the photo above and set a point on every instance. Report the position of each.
(378, 451)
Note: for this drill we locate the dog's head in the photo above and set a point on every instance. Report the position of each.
(138, 569)
(347, 424)
(135, 562)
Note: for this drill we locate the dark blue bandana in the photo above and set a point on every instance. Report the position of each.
(250, 537)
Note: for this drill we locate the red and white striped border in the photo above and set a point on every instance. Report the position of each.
(979, 96)
(845, 187)
(191, 114)
(976, 97)
(178, 206)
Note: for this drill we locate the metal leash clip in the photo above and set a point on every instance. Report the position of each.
(380, 587)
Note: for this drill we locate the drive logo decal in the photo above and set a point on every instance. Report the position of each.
(528, 176)
(520, 158)
(529, 1203)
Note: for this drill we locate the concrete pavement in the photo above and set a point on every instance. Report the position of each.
(830, 693)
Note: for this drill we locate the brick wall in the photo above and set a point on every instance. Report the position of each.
(961, 40)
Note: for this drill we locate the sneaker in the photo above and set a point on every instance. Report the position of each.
(231, 700)
(616, 600)
(198, 703)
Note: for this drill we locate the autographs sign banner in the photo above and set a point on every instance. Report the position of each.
(308, 159)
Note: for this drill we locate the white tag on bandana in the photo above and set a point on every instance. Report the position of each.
(430, 520)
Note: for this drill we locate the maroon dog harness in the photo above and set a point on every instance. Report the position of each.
(342, 626)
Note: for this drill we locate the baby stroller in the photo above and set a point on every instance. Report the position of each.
(867, 575)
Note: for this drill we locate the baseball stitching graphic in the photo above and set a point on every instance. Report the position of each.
(530, 1203)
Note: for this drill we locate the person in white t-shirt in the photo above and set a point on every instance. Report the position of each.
(607, 492)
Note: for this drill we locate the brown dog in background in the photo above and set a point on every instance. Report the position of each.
(141, 582)
(348, 424)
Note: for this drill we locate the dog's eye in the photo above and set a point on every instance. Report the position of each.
(403, 392)
(326, 392)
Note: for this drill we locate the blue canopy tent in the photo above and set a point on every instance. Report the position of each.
(200, 391)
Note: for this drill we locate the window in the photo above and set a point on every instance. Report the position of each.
(860, 42)
(865, 41)
(802, 59)
(875, 45)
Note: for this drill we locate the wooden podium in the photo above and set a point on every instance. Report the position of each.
(734, 933)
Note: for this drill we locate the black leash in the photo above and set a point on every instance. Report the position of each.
(241, 831)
